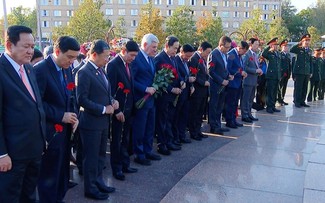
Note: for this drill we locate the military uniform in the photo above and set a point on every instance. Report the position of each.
(321, 89)
(273, 75)
(315, 78)
(301, 72)
(286, 70)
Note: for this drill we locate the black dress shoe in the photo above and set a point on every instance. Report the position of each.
(203, 135)
(72, 184)
(298, 105)
(145, 162)
(97, 196)
(153, 156)
(285, 103)
(219, 132)
(276, 110)
(185, 140)
(196, 137)
(305, 105)
(231, 125)
(105, 189)
(163, 151)
(224, 130)
(176, 142)
(253, 118)
(119, 175)
(247, 120)
(239, 124)
(269, 110)
(173, 147)
(129, 170)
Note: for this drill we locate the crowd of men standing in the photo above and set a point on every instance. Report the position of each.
(42, 106)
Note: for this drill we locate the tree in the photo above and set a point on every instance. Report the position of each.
(277, 29)
(255, 26)
(150, 22)
(315, 37)
(120, 28)
(182, 25)
(209, 29)
(319, 16)
(82, 26)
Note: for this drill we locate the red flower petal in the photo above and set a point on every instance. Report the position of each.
(120, 85)
(58, 128)
(71, 86)
(126, 91)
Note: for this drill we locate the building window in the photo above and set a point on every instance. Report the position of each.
(204, 13)
(109, 12)
(57, 2)
(214, 2)
(265, 7)
(235, 25)
(181, 2)
(121, 12)
(134, 1)
(109, 1)
(215, 13)
(275, 7)
(246, 14)
(169, 12)
(225, 3)
(121, 1)
(193, 13)
(70, 2)
(134, 12)
(145, 1)
(57, 23)
(169, 2)
(44, 2)
(45, 24)
(236, 3)
(45, 13)
(204, 2)
(134, 23)
(69, 13)
(225, 24)
(265, 16)
(236, 14)
(225, 14)
(246, 4)
(157, 2)
(57, 13)
(193, 2)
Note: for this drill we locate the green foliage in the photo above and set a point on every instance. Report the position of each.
(182, 25)
(150, 22)
(277, 29)
(120, 28)
(83, 26)
(315, 37)
(209, 29)
(255, 26)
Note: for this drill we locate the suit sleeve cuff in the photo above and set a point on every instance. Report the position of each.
(4, 155)
(104, 110)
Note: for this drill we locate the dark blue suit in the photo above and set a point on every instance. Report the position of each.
(93, 93)
(116, 72)
(22, 133)
(56, 159)
(234, 63)
(144, 119)
(218, 72)
(165, 106)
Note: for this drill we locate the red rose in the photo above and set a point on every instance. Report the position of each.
(211, 64)
(71, 86)
(194, 71)
(201, 61)
(58, 128)
(175, 73)
(251, 59)
(120, 85)
(240, 70)
(285, 75)
(126, 91)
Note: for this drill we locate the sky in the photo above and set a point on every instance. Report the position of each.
(299, 4)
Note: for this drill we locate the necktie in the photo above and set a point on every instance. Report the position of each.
(102, 74)
(63, 82)
(24, 79)
(151, 64)
(186, 67)
(128, 71)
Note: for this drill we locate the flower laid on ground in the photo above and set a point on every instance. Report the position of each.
(71, 86)
(163, 77)
(120, 86)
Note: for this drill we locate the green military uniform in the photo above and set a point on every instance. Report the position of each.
(286, 70)
(273, 75)
(321, 89)
(315, 78)
(301, 72)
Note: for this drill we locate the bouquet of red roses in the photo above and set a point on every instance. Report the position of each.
(162, 79)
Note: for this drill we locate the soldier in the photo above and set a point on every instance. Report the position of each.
(321, 89)
(302, 70)
(273, 74)
(286, 69)
(315, 78)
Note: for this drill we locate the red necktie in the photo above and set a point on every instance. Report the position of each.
(27, 85)
(128, 70)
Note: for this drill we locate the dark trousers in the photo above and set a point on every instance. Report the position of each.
(143, 131)
(54, 177)
(301, 85)
(120, 140)
(261, 91)
(216, 104)
(231, 104)
(94, 143)
(196, 111)
(164, 118)
(271, 91)
(78, 147)
(246, 101)
(181, 118)
(282, 89)
(19, 183)
(313, 89)
(321, 89)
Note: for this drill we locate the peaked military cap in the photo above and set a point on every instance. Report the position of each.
(305, 37)
(273, 41)
(284, 43)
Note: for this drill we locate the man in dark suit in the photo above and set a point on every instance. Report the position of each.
(219, 79)
(182, 107)
(143, 130)
(118, 71)
(53, 77)
(165, 102)
(96, 106)
(235, 68)
(22, 119)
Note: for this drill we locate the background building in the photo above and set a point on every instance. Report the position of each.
(232, 12)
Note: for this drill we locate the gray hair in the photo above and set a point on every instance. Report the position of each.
(47, 51)
(149, 39)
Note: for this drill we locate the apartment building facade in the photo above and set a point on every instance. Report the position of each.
(55, 13)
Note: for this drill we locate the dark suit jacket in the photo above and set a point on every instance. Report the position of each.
(77, 68)
(116, 73)
(201, 77)
(218, 71)
(92, 95)
(22, 120)
(185, 75)
(233, 65)
(56, 98)
(143, 78)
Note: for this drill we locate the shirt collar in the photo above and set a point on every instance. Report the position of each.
(58, 68)
(144, 54)
(12, 62)
(122, 59)
(94, 65)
